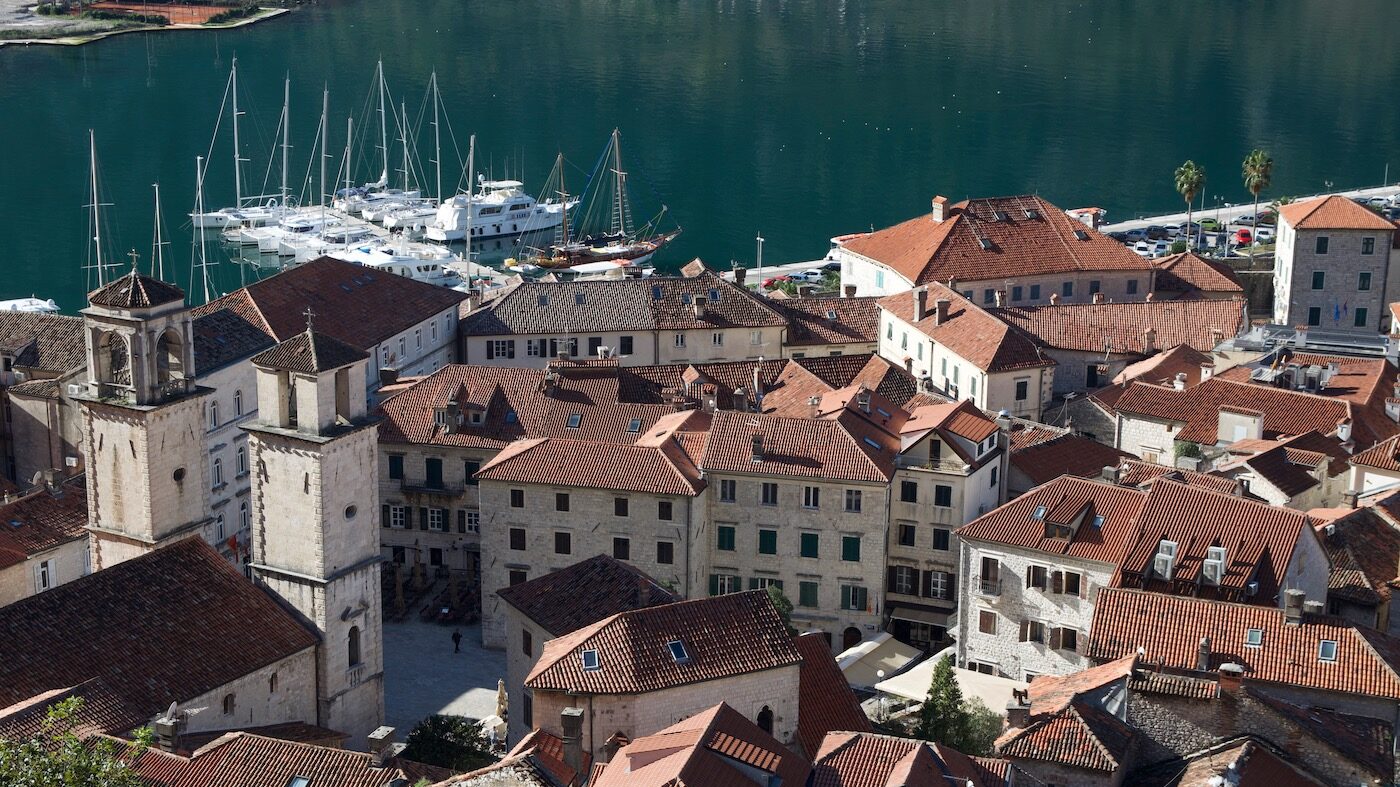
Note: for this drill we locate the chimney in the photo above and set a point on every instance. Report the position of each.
(849, 290)
(1018, 710)
(1349, 498)
(1000, 298)
(739, 273)
(168, 728)
(1312, 608)
(1149, 297)
(816, 404)
(381, 747)
(1293, 606)
(473, 300)
(1054, 299)
(1207, 369)
(1344, 430)
(1109, 474)
(1098, 297)
(757, 386)
(863, 400)
(612, 745)
(1217, 336)
(699, 304)
(1149, 341)
(1180, 382)
(1203, 654)
(953, 283)
(940, 208)
(571, 720)
(920, 303)
(1300, 335)
(940, 310)
(1231, 676)
(757, 447)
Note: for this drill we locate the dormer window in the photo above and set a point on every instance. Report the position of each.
(544, 300)
(872, 443)
(678, 651)
(1327, 650)
(685, 298)
(656, 292)
(1098, 521)
(1081, 234)
(578, 298)
(512, 417)
(1253, 638)
(476, 416)
(590, 661)
(1032, 213)
(999, 215)
(714, 295)
(831, 314)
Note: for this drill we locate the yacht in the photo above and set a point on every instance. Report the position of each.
(332, 237)
(420, 261)
(411, 218)
(30, 304)
(305, 225)
(500, 208)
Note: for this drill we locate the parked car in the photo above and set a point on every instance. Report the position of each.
(1242, 237)
(1133, 236)
(1161, 249)
(832, 266)
(1143, 248)
(1156, 232)
(1244, 220)
(774, 281)
(1121, 237)
(1268, 217)
(1210, 225)
(811, 275)
(1173, 231)
(1193, 227)
(1264, 235)
(1378, 202)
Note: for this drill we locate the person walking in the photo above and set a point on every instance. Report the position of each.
(457, 641)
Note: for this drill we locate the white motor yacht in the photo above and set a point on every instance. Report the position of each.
(500, 208)
(30, 304)
(419, 261)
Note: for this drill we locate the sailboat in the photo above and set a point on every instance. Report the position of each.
(355, 200)
(616, 239)
(242, 213)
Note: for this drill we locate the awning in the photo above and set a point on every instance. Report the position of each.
(994, 691)
(920, 614)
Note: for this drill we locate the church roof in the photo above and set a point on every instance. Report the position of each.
(135, 291)
(310, 352)
(165, 627)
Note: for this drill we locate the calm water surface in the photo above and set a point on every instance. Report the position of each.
(800, 119)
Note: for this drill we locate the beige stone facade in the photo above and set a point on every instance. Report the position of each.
(1333, 278)
(44, 570)
(284, 691)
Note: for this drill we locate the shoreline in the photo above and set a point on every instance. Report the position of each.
(88, 38)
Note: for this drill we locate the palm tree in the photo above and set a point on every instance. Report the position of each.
(1258, 170)
(1189, 179)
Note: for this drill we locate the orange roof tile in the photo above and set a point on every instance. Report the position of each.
(972, 333)
(1332, 213)
(1080, 736)
(825, 701)
(845, 448)
(595, 465)
(1190, 273)
(584, 593)
(1123, 326)
(1067, 500)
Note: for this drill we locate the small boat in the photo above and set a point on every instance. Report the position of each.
(30, 304)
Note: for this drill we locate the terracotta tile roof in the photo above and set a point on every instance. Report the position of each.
(349, 301)
(1135, 473)
(831, 320)
(1167, 683)
(1363, 382)
(736, 307)
(537, 761)
(1332, 213)
(1190, 273)
(135, 290)
(44, 342)
(1360, 738)
(961, 419)
(102, 711)
(874, 372)
(1081, 735)
(1050, 694)
(309, 352)
(240, 759)
(975, 244)
(836, 449)
(1286, 412)
(867, 759)
(596, 465)
(1123, 326)
(825, 701)
(1068, 454)
(1160, 369)
(42, 520)
(714, 747)
(1068, 501)
(1384, 455)
(584, 593)
(734, 634)
(974, 334)
(1246, 762)
(295, 731)
(1024, 434)
(1259, 542)
(1305, 452)
(1170, 629)
(168, 626)
(1364, 549)
(224, 336)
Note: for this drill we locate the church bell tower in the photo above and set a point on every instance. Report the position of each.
(315, 529)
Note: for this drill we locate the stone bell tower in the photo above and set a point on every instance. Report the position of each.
(147, 466)
(315, 529)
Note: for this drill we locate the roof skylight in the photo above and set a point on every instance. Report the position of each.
(590, 660)
(678, 651)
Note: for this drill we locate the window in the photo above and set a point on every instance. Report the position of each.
(905, 580)
(940, 585)
(987, 622)
(352, 646)
(1322, 244)
(806, 594)
(940, 538)
(1070, 583)
(517, 498)
(398, 516)
(219, 527)
(1360, 320)
(624, 345)
(517, 539)
(663, 510)
(517, 576)
(678, 652)
(534, 348)
(1132, 286)
(272, 684)
(1032, 631)
(563, 543)
(499, 348)
(855, 597)
(770, 494)
(717, 339)
(240, 460)
(853, 501)
(1067, 289)
(726, 491)
(44, 576)
(767, 542)
(473, 521)
(908, 535)
(1315, 315)
(992, 482)
(665, 553)
(437, 519)
(622, 548)
(471, 468)
(574, 420)
(1035, 292)
(943, 496)
(590, 660)
(1327, 650)
(988, 295)
(434, 333)
(879, 279)
(811, 544)
(595, 343)
(243, 518)
(432, 471)
(1064, 639)
(213, 416)
(634, 426)
(230, 704)
(725, 534)
(396, 466)
(755, 338)
(435, 556)
(1368, 245)
(1037, 577)
(1319, 280)
(238, 402)
(909, 491)
(811, 497)
(1016, 293)
(1093, 286)
(721, 584)
(680, 340)
(850, 548)
(1254, 637)
(216, 472)
(1363, 280)
(527, 642)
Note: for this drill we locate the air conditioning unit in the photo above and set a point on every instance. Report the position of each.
(1213, 571)
(75, 389)
(1251, 588)
(21, 377)
(1162, 566)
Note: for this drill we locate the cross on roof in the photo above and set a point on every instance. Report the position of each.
(134, 257)
(310, 315)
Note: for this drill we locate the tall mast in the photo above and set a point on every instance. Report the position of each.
(325, 149)
(471, 182)
(620, 225)
(96, 212)
(437, 138)
(286, 132)
(563, 198)
(237, 151)
(198, 238)
(158, 242)
(403, 138)
(349, 133)
(383, 124)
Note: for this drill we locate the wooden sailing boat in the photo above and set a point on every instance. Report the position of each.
(614, 239)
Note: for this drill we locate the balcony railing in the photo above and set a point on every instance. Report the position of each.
(989, 587)
(431, 488)
(941, 465)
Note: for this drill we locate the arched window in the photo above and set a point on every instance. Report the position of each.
(354, 646)
(272, 684)
(216, 471)
(213, 416)
(241, 456)
(219, 527)
(113, 359)
(170, 357)
(228, 705)
(765, 720)
(243, 515)
(238, 402)
(850, 638)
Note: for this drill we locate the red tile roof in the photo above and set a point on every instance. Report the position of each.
(584, 593)
(818, 321)
(1069, 501)
(101, 711)
(1245, 762)
(45, 342)
(1143, 474)
(974, 334)
(309, 352)
(660, 470)
(167, 626)
(1192, 274)
(538, 759)
(1170, 629)
(714, 747)
(1123, 327)
(1286, 412)
(135, 290)
(825, 701)
(1384, 455)
(42, 520)
(1364, 548)
(728, 635)
(1051, 694)
(973, 243)
(1332, 213)
(835, 449)
(1079, 736)
(865, 759)
(1024, 434)
(1068, 454)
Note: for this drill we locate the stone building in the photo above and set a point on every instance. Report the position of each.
(830, 326)
(1041, 453)
(1093, 416)
(44, 540)
(1188, 275)
(41, 355)
(1022, 244)
(1332, 265)
(1363, 545)
(1303, 471)
(1376, 469)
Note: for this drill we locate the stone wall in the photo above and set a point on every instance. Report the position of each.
(257, 701)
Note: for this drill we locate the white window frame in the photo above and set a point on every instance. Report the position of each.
(45, 576)
(238, 402)
(398, 516)
(473, 521)
(437, 520)
(680, 341)
(717, 339)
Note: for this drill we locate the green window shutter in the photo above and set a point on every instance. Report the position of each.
(768, 542)
(845, 596)
(422, 517)
(753, 583)
(850, 548)
(714, 584)
(811, 545)
(384, 515)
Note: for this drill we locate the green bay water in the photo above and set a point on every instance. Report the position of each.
(800, 119)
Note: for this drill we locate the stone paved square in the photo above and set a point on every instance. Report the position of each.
(422, 675)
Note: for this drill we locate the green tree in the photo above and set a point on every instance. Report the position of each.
(453, 742)
(1258, 174)
(1190, 177)
(783, 605)
(57, 757)
(943, 719)
(984, 726)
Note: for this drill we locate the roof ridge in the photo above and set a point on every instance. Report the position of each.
(1073, 707)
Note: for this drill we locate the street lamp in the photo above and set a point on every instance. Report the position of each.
(881, 714)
